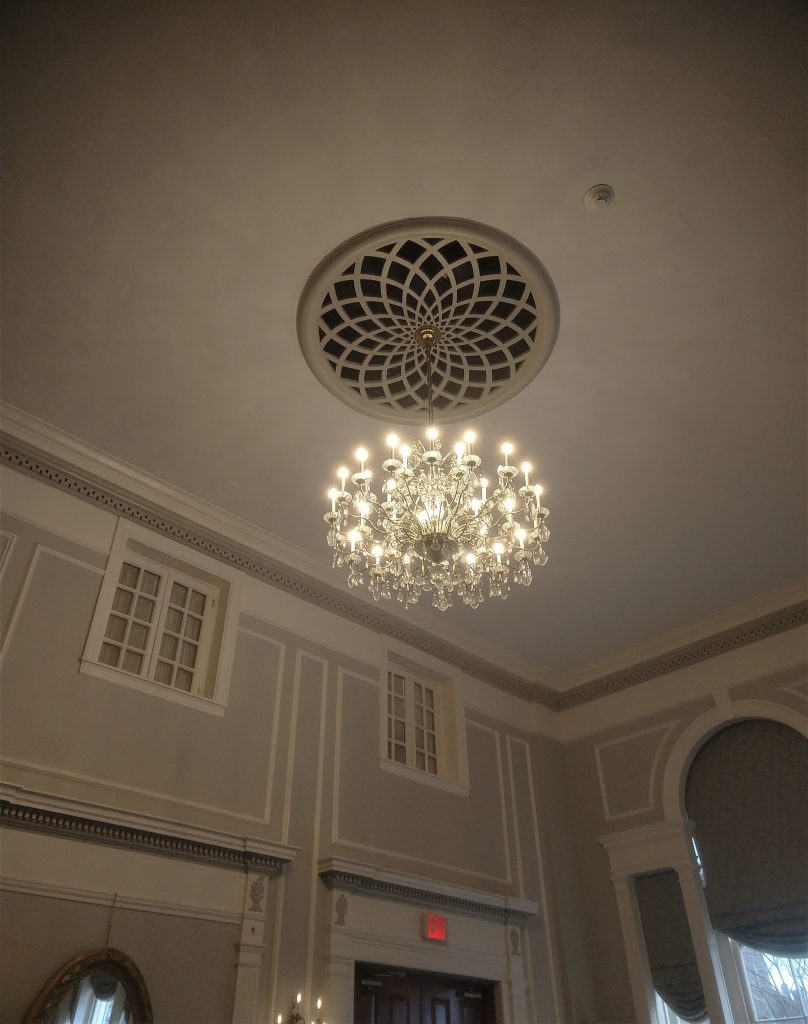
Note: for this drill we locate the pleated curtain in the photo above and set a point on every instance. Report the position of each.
(747, 792)
(671, 956)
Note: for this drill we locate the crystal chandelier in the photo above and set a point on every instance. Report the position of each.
(438, 526)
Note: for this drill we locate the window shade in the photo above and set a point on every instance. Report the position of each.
(747, 792)
(670, 948)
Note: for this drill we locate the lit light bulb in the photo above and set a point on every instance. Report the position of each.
(539, 490)
(342, 473)
(280, 1018)
(460, 449)
(471, 558)
(377, 552)
(332, 494)
(392, 440)
(520, 536)
(361, 454)
(353, 537)
(484, 485)
(390, 485)
(508, 505)
(507, 448)
(423, 516)
(526, 467)
(469, 437)
(432, 433)
(405, 453)
(299, 995)
(319, 1001)
(363, 507)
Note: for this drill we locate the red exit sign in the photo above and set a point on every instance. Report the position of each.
(433, 927)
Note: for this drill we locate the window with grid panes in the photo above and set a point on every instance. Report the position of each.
(157, 627)
(411, 723)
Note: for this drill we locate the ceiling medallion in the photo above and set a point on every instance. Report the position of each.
(412, 319)
(489, 298)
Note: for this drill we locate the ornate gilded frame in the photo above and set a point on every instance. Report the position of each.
(112, 960)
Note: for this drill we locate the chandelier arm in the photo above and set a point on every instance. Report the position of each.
(459, 487)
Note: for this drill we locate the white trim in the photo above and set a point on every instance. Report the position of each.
(549, 930)
(792, 689)
(290, 752)
(423, 886)
(154, 689)
(517, 841)
(118, 788)
(147, 822)
(502, 806)
(423, 778)
(700, 629)
(122, 902)
(693, 737)
(665, 728)
(22, 593)
(397, 855)
(5, 555)
(316, 824)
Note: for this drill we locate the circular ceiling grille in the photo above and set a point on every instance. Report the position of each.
(491, 304)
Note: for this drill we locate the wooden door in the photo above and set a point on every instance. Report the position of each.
(388, 995)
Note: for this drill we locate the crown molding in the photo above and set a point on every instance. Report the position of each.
(35, 448)
(353, 876)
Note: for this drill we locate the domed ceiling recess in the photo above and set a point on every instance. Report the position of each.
(490, 301)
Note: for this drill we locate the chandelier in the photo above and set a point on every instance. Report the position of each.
(438, 526)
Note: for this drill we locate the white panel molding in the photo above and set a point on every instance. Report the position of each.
(121, 902)
(8, 547)
(549, 930)
(118, 789)
(665, 729)
(517, 841)
(688, 743)
(22, 594)
(290, 753)
(503, 813)
(316, 823)
(793, 691)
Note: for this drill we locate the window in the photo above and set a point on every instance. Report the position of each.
(777, 986)
(164, 621)
(422, 724)
(159, 626)
(412, 735)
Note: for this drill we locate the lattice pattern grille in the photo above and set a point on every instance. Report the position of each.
(492, 305)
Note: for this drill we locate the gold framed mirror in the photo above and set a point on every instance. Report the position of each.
(102, 986)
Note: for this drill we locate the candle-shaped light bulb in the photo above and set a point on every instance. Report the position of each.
(520, 536)
(509, 504)
(484, 486)
(469, 437)
(352, 537)
(342, 473)
(299, 997)
(361, 455)
(319, 1001)
(526, 467)
(280, 1018)
(332, 494)
(498, 549)
(507, 449)
(460, 449)
(538, 490)
(377, 554)
(392, 441)
(405, 453)
(471, 558)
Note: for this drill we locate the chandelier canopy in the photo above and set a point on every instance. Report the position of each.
(438, 525)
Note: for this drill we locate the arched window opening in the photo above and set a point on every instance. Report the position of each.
(102, 986)
(747, 793)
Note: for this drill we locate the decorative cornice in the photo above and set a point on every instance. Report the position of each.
(710, 647)
(70, 826)
(391, 885)
(120, 502)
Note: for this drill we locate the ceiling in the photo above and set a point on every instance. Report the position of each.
(174, 172)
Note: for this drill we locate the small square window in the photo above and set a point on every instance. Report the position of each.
(411, 729)
(162, 623)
